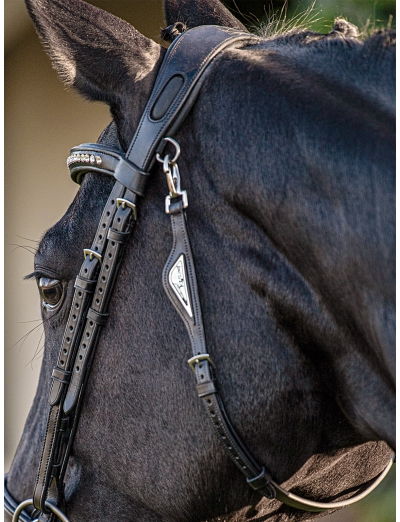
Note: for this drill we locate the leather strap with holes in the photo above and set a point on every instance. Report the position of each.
(97, 313)
(187, 303)
(175, 91)
(86, 284)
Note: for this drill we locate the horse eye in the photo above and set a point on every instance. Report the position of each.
(51, 291)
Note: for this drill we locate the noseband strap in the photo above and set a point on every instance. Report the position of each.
(178, 82)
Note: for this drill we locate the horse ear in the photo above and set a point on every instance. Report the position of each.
(92, 50)
(200, 12)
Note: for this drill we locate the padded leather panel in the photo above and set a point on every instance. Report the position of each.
(188, 59)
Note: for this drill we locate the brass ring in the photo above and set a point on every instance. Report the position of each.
(54, 509)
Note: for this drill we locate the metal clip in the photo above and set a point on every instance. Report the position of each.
(91, 254)
(171, 171)
(197, 360)
(174, 185)
(173, 178)
(121, 202)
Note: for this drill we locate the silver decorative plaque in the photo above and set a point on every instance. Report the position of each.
(178, 282)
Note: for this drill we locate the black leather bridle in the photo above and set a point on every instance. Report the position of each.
(177, 85)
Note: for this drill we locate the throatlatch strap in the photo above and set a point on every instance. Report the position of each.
(180, 284)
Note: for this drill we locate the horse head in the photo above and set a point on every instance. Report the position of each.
(287, 157)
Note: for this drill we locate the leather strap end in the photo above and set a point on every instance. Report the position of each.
(55, 392)
(261, 482)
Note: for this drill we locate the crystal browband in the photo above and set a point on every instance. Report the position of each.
(91, 157)
(84, 158)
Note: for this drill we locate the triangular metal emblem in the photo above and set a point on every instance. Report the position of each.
(178, 282)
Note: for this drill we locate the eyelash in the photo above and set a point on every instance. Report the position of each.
(37, 274)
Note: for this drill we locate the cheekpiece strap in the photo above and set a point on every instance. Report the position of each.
(177, 85)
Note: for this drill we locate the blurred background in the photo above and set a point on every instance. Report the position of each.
(43, 121)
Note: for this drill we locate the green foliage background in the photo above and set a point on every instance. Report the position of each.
(367, 15)
(380, 506)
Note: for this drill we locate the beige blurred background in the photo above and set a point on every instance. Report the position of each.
(43, 121)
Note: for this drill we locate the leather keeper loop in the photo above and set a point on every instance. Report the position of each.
(60, 379)
(96, 316)
(118, 237)
(55, 470)
(131, 177)
(206, 388)
(260, 481)
(85, 284)
(61, 375)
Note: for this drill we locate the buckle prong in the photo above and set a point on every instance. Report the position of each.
(126, 203)
(91, 253)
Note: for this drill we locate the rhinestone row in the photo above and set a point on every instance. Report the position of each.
(84, 158)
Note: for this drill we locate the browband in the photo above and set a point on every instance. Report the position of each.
(105, 160)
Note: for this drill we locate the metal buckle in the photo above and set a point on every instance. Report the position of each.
(91, 254)
(184, 201)
(197, 360)
(126, 203)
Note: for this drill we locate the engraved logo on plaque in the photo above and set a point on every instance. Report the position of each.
(178, 283)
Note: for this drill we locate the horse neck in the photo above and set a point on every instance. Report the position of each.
(312, 165)
(367, 67)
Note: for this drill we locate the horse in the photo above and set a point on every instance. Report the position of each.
(287, 158)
